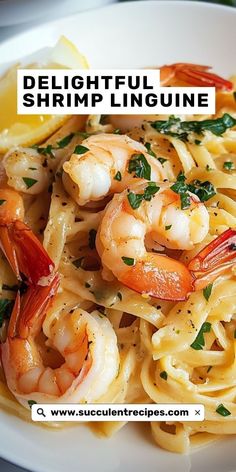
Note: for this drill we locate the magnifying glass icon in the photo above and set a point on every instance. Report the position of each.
(41, 412)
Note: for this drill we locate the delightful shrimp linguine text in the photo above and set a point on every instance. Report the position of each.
(117, 274)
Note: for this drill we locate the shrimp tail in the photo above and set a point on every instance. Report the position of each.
(24, 252)
(160, 277)
(30, 309)
(196, 75)
(214, 259)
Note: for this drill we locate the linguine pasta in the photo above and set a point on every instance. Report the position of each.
(153, 336)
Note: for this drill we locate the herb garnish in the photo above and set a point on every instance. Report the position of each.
(221, 410)
(65, 141)
(118, 176)
(139, 165)
(228, 165)
(5, 309)
(161, 160)
(135, 199)
(2, 201)
(29, 182)
(119, 295)
(164, 375)
(200, 341)
(31, 402)
(149, 149)
(180, 129)
(204, 190)
(128, 260)
(207, 291)
(79, 149)
(46, 151)
(167, 227)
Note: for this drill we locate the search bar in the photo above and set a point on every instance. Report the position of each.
(118, 412)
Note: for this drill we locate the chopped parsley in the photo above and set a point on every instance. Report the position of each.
(31, 403)
(135, 199)
(162, 160)
(207, 291)
(119, 295)
(203, 190)
(180, 129)
(128, 260)
(118, 176)
(46, 151)
(228, 165)
(149, 149)
(200, 341)
(139, 165)
(92, 238)
(164, 375)
(2, 201)
(87, 285)
(197, 142)
(79, 149)
(29, 182)
(167, 227)
(6, 307)
(222, 410)
(65, 141)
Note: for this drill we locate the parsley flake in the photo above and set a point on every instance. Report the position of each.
(31, 403)
(149, 149)
(6, 307)
(2, 201)
(29, 182)
(222, 410)
(139, 165)
(79, 149)
(128, 260)
(228, 165)
(164, 375)
(118, 176)
(199, 342)
(207, 291)
(65, 141)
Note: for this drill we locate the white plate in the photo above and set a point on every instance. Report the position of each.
(125, 35)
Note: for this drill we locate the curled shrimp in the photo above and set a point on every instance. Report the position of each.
(122, 236)
(104, 167)
(84, 351)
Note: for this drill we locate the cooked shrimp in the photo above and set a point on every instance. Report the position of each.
(85, 348)
(26, 171)
(105, 167)
(175, 75)
(192, 74)
(22, 249)
(150, 211)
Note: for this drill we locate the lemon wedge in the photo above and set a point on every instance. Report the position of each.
(26, 130)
